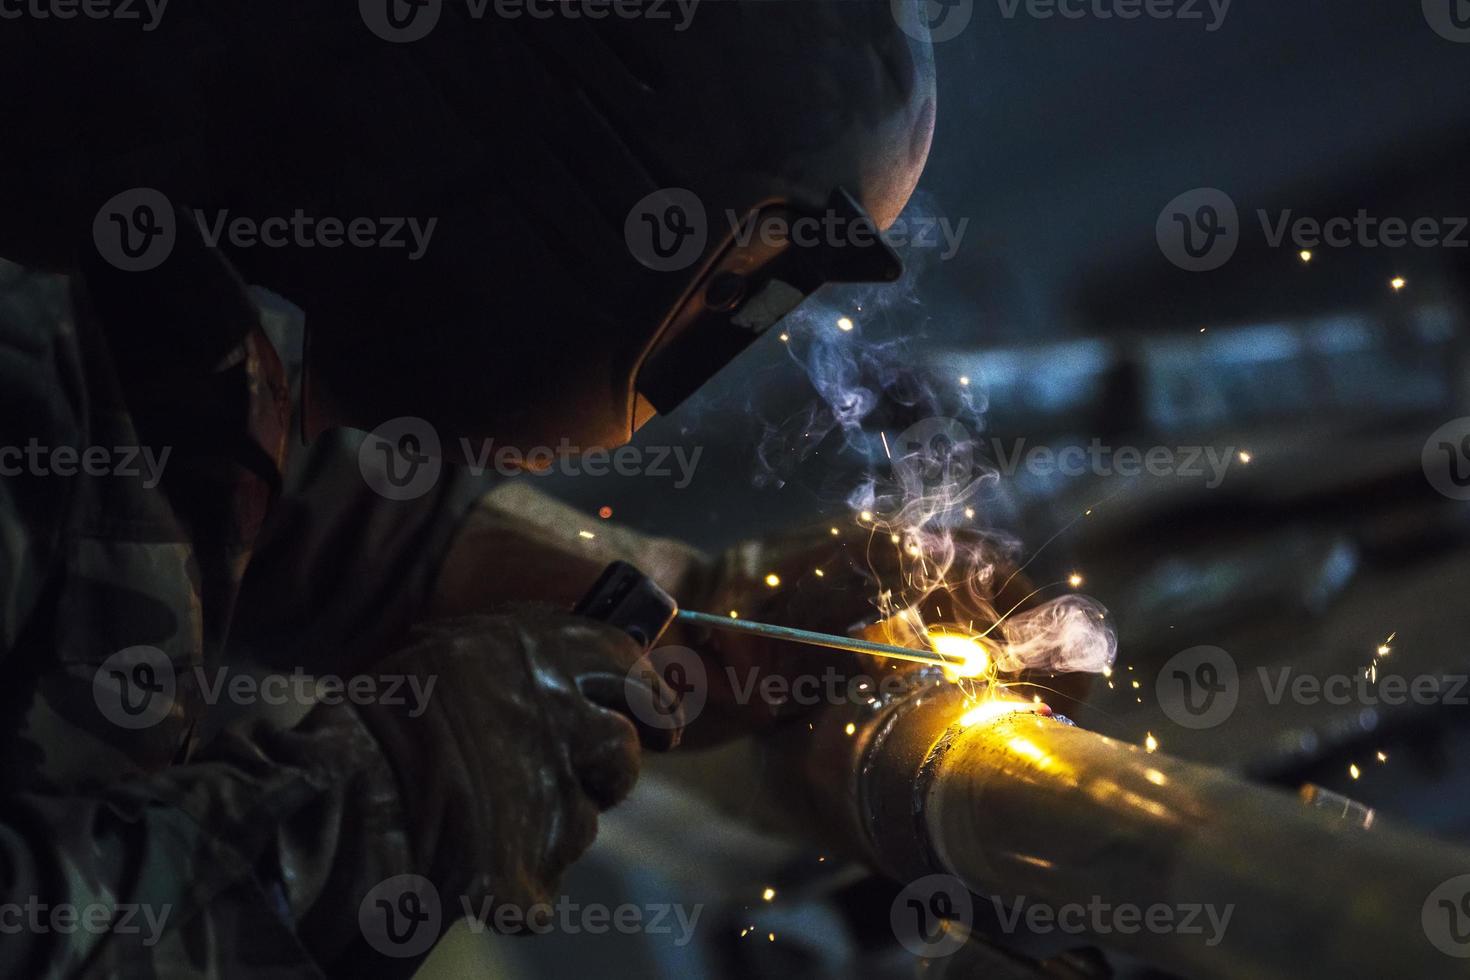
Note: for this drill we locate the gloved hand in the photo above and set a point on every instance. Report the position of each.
(521, 745)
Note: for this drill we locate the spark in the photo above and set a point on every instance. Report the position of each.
(768, 894)
(894, 538)
(1398, 283)
(964, 381)
(586, 534)
(834, 532)
(1245, 457)
(1150, 743)
(970, 513)
(1136, 685)
(845, 324)
(866, 515)
(734, 613)
(820, 573)
(1306, 255)
(605, 513)
(771, 936)
(886, 451)
(785, 338)
(1353, 770)
(851, 729)
(744, 932)
(1382, 756)
(1384, 650)
(773, 580)
(1074, 580)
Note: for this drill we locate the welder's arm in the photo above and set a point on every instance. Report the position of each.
(518, 542)
(259, 858)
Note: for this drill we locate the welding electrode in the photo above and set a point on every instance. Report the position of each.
(626, 598)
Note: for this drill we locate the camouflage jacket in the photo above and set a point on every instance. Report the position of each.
(146, 423)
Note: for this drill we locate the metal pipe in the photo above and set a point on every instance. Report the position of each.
(831, 641)
(1018, 805)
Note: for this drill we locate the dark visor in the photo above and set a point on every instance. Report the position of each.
(753, 284)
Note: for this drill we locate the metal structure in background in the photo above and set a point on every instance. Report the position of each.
(1015, 803)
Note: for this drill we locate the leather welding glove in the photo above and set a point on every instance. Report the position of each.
(523, 742)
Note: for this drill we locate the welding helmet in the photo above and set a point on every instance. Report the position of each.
(617, 200)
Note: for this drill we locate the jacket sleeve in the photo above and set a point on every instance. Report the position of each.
(248, 861)
(252, 861)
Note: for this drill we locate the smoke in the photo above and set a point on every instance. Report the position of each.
(922, 494)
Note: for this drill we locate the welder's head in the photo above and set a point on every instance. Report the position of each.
(601, 266)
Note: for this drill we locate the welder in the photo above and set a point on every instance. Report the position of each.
(135, 165)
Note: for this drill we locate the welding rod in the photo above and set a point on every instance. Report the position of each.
(851, 644)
